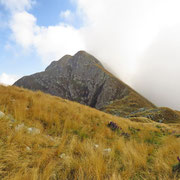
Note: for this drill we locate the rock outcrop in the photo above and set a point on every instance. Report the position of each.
(81, 78)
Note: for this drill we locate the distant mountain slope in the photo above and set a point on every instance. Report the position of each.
(82, 78)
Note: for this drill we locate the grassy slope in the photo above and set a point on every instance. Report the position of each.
(73, 129)
(129, 103)
(165, 114)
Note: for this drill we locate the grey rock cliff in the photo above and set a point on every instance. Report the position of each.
(81, 78)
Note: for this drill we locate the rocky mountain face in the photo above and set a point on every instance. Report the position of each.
(82, 78)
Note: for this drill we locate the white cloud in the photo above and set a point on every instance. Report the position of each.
(23, 26)
(17, 5)
(158, 74)
(120, 31)
(54, 42)
(8, 79)
(50, 42)
(67, 15)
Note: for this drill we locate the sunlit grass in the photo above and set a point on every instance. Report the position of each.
(75, 142)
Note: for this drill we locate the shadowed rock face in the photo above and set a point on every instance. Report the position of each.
(80, 78)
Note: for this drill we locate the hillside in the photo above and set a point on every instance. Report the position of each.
(82, 78)
(129, 107)
(45, 137)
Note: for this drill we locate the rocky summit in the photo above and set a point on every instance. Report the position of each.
(82, 78)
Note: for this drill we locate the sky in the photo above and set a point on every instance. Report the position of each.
(137, 40)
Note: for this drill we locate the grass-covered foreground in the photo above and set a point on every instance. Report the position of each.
(44, 137)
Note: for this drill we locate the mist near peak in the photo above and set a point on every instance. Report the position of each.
(158, 73)
(139, 42)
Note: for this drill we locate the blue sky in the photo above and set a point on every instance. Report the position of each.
(48, 12)
(135, 39)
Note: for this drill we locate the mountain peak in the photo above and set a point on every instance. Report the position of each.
(81, 52)
(83, 79)
(81, 57)
(84, 56)
(54, 64)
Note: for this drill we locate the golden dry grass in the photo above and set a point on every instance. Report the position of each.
(73, 142)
